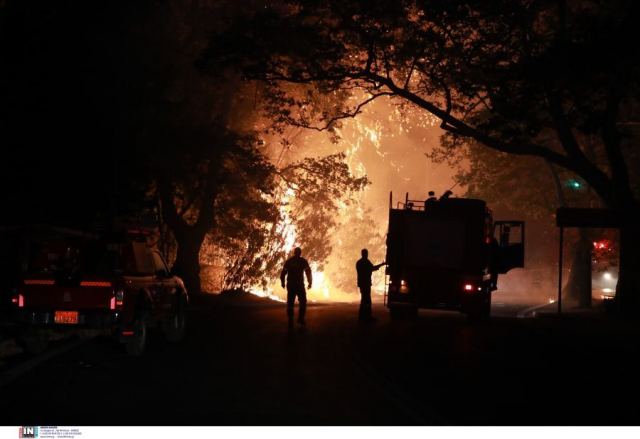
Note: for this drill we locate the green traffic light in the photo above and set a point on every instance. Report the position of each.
(574, 184)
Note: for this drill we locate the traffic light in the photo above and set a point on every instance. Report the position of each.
(574, 184)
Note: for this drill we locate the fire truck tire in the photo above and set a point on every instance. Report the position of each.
(174, 326)
(136, 343)
(403, 312)
(481, 311)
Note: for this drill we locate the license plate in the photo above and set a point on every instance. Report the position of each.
(66, 317)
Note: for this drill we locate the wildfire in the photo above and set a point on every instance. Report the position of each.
(386, 143)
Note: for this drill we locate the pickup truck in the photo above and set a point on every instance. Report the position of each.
(59, 279)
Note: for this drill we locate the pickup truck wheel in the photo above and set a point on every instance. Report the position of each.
(174, 326)
(137, 342)
(35, 341)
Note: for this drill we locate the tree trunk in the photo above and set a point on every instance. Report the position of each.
(189, 238)
(187, 263)
(578, 289)
(628, 288)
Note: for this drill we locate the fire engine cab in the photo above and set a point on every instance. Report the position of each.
(446, 253)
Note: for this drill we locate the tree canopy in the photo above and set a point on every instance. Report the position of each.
(525, 77)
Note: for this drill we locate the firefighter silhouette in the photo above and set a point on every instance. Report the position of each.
(294, 270)
(365, 268)
(431, 200)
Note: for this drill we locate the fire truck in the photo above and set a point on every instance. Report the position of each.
(446, 253)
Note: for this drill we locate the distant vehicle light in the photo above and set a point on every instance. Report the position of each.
(468, 287)
(607, 290)
(604, 297)
(607, 276)
(404, 288)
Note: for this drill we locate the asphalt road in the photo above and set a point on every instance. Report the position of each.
(240, 365)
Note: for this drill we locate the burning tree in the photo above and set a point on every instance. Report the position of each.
(252, 234)
(526, 78)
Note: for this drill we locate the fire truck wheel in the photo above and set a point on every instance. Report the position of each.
(403, 312)
(137, 342)
(174, 326)
(481, 310)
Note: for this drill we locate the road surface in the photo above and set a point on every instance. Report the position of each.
(240, 365)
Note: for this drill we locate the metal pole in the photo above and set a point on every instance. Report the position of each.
(560, 271)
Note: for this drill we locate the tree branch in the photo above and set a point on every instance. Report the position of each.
(596, 178)
(349, 115)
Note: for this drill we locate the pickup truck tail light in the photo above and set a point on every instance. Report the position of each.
(18, 299)
(119, 298)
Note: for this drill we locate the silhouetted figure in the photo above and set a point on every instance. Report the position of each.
(296, 267)
(365, 268)
(446, 195)
(431, 200)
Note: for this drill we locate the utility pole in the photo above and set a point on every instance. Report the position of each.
(426, 172)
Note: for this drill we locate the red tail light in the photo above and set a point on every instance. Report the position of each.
(18, 300)
(112, 303)
(468, 287)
